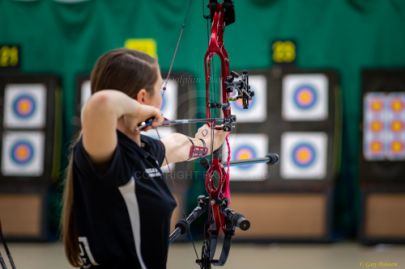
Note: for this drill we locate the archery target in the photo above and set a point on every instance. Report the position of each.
(169, 100)
(303, 155)
(24, 106)
(395, 114)
(374, 122)
(85, 92)
(257, 106)
(305, 97)
(23, 154)
(384, 121)
(244, 147)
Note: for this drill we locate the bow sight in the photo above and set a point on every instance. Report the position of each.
(239, 86)
(229, 11)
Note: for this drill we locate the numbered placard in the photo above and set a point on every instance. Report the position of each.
(23, 154)
(303, 155)
(284, 52)
(10, 56)
(147, 45)
(24, 106)
(305, 97)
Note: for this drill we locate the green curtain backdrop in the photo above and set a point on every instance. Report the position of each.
(346, 35)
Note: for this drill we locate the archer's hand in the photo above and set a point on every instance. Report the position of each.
(142, 114)
(205, 132)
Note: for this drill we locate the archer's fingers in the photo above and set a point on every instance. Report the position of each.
(158, 119)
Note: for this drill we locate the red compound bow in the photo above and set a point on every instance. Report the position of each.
(232, 87)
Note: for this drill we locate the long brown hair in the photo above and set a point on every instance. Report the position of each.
(124, 70)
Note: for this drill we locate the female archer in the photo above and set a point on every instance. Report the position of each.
(117, 206)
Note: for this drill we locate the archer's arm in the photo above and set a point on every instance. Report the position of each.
(100, 117)
(178, 145)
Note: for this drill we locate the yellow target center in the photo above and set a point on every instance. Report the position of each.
(396, 126)
(376, 105)
(376, 147)
(376, 126)
(244, 155)
(397, 146)
(22, 152)
(305, 97)
(397, 106)
(25, 106)
(303, 155)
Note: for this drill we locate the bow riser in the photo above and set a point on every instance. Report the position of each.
(217, 179)
(216, 47)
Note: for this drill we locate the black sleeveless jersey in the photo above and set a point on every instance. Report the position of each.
(122, 209)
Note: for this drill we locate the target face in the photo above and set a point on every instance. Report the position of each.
(169, 100)
(85, 92)
(305, 97)
(384, 121)
(257, 111)
(245, 147)
(303, 155)
(23, 154)
(24, 106)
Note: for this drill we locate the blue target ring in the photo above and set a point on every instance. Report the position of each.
(22, 152)
(240, 152)
(24, 106)
(305, 96)
(303, 155)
